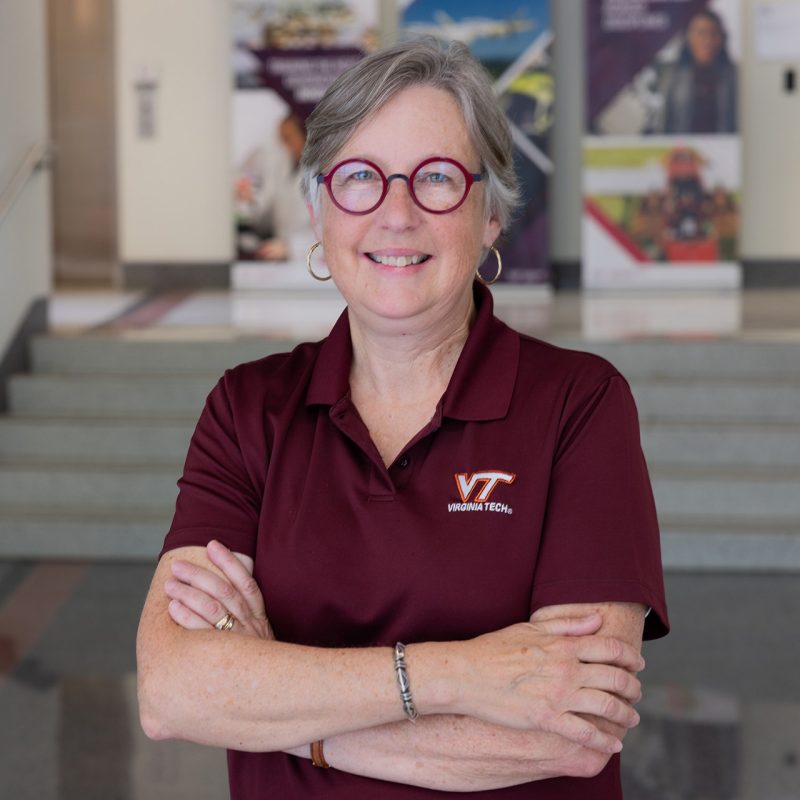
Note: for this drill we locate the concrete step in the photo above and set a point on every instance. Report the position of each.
(687, 545)
(173, 397)
(637, 359)
(719, 544)
(768, 495)
(114, 355)
(81, 441)
(104, 489)
(707, 444)
(719, 358)
(63, 533)
(89, 396)
(718, 400)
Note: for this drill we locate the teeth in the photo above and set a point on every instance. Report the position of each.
(397, 261)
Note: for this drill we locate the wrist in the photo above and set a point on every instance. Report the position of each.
(433, 672)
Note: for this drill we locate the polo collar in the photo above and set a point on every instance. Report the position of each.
(482, 382)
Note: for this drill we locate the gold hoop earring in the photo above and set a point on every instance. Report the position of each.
(308, 263)
(497, 274)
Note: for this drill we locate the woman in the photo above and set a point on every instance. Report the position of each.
(699, 90)
(424, 476)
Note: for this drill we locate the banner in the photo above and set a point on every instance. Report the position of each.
(285, 55)
(661, 156)
(514, 43)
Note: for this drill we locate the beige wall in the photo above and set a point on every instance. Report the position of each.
(25, 233)
(771, 156)
(174, 190)
(81, 55)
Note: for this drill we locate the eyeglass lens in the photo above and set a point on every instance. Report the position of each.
(437, 186)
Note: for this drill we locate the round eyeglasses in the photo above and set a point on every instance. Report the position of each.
(437, 185)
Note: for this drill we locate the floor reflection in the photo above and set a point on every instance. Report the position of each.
(720, 718)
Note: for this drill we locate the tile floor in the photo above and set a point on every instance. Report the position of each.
(720, 718)
(721, 714)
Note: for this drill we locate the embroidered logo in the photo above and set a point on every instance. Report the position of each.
(475, 489)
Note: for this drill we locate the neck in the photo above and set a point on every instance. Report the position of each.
(408, 360)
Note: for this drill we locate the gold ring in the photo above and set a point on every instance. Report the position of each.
(226, 623)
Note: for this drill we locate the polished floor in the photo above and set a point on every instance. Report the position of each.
(720, 717)
(721, 713)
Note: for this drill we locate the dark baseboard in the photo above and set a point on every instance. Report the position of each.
(157, 277)
(17, 355)
(756, 274)
(774, 274)
(566, 275)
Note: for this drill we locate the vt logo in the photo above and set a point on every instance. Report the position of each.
(485, 482)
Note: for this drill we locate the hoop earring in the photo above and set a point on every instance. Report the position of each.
(497, 274)
(308, 263)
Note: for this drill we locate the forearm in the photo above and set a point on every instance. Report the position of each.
(257, 695)
(457, 754)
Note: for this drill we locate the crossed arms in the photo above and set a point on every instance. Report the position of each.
(551, 697)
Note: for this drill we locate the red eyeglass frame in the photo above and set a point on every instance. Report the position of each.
(471, 178)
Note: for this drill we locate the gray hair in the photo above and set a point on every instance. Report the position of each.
(364, 88)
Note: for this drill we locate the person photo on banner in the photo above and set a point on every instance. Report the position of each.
(271, 192)
(698, 90)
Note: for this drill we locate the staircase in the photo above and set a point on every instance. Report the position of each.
(95, 438)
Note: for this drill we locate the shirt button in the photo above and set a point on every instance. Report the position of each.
(403, 462)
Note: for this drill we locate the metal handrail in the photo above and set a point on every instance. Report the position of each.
(38, 157)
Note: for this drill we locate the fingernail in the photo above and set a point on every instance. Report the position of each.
(617, 748)
(636, 718)
(170, 585)
(642, 664)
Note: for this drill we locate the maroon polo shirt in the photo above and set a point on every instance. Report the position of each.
(528, 488)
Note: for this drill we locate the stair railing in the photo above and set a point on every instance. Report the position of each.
(38, 157)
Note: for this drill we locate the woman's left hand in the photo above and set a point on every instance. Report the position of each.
(201, 597)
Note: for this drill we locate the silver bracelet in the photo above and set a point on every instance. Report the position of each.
(402, 681)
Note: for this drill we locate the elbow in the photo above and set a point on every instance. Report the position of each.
(153, 726)
(151, 714)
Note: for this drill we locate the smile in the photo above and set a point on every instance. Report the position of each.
(397, 261)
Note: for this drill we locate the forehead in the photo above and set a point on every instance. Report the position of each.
(413, 124)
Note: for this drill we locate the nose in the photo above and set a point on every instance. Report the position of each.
(398, 208)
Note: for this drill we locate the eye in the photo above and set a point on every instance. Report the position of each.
(433, 177)
(364, 175)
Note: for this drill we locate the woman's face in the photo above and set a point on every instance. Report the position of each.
(362, 252)
(704, 39)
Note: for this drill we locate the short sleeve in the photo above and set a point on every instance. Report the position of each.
(219, 497)
(600, 541)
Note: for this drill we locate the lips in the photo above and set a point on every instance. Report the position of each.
(398, 261)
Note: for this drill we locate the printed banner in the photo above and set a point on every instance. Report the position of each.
(514, 42)
(662, 174)
(285, 55)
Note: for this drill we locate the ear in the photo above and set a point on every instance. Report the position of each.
(315, 222)
(491, 231)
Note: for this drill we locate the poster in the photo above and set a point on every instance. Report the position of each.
(285, 55)
(661, 156)
(514, 42)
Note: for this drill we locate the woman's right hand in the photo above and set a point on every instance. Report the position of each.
(200, 597)
(547, 675)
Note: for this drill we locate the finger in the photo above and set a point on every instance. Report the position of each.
(585, 733)
(570, 626)
(209, 595)
(613, 680)
(203, 605)
(604, 705)
(608, 650)
(186, 618)
(239, 576)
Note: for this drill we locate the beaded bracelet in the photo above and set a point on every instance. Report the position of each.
(402, 681)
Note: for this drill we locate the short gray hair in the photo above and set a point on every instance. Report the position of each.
(369, 84)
